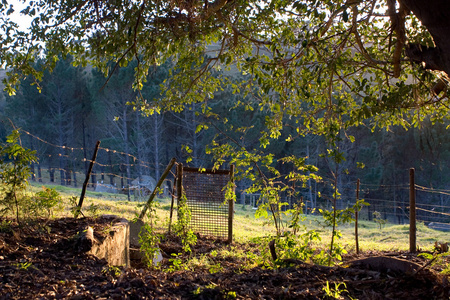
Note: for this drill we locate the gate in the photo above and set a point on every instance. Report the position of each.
(211, 212)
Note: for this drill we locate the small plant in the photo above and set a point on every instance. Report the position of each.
(24, 266)
(188, 237)
(438, 258)
(177, 263)
(333, 219)
(5, 226)
(336, 292)
(149, 240)
(15, 163)
(215, 268)
(230, 295)
(148, 237)
(378, 219)
(93, 210)
(197, 291)
(46, 201)
(75, 210)
(112, 270)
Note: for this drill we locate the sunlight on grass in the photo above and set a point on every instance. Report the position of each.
(371, 238)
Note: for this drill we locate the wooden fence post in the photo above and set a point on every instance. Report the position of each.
(155, 190)
(86, 181)
(356, 218)
(179, 182)
(171, 204)
(412, 212)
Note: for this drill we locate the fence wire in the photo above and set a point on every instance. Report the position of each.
(205, 196)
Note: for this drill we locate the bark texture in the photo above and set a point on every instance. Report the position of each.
(435, 16)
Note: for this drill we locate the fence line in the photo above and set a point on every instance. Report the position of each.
(396, 210)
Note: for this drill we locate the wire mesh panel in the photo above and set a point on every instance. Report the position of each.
(205, 196)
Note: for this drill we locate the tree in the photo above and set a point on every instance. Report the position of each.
(315, 67)
(276, 33)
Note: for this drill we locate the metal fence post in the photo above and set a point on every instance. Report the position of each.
(356, 218)
(231, 208)
(412, 212)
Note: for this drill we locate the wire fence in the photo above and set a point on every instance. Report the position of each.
(116, 171)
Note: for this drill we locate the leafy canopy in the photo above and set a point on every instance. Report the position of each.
(311, 60)
(315, 66)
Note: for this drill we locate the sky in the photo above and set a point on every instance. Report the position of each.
(21, 20)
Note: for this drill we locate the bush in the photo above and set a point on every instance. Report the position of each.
(15, 163)
(45, 202)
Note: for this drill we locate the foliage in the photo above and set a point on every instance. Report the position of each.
(182, 228)
(112, 270)
(333, 219)
(177, 263)
(75, 210)
(149, 240)
(438, 258)
(336, 292)
(302, 246)
(378, 219)
(93, 210)
(149, 237)
(301, 68)
(5, 226)
(14, 172)
(46, 201)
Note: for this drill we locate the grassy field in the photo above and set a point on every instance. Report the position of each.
(371, 237)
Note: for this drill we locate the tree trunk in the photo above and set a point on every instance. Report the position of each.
(127, 150)
(111, 176)
(156, 137)
(435, 16)
(39, 172)
(74, 178)
(51, 173)
(83, 127)
(93, 179)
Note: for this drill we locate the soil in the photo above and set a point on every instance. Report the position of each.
(41, 261)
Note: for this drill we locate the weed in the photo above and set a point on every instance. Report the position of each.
(24, 266)
(438, 258)
(378, 219)
(216, 268)
(230, 295)
(93, 210)
(5, 226)
(177, 263)
(336, 292)
(188, 238)
(112, 270)
(75, 210)
(15, 163)
(197, 291)
(46, 201)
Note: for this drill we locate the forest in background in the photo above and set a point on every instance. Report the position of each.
(78, 106)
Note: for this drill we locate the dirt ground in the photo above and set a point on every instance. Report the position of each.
(41, 261)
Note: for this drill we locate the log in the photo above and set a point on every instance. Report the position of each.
(384, 264)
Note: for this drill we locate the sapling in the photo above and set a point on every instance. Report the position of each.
(15, 169)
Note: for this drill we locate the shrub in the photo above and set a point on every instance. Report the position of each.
(15, 163)
(45, 202)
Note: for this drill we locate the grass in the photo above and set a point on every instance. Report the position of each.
(371, 237)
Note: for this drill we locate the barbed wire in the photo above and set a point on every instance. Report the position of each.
(387, 204)
(136, 160)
